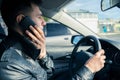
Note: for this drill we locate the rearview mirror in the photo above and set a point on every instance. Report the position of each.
(108, 4)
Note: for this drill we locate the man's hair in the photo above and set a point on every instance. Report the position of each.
(11, 8)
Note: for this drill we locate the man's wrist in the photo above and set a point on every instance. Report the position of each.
(42, 54)
(85, 73)
(43, 58)
(90, 68)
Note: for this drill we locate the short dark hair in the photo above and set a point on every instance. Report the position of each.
(11, 8)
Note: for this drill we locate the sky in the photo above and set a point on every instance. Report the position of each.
(94, 6)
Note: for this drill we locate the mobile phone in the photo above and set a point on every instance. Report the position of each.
(25, 23)
(29, 48)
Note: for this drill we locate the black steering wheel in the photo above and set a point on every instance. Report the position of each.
(78, 59)
(87, 39)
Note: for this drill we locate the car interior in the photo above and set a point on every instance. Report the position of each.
(87, 40)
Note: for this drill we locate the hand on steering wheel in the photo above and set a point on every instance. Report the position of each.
(96, 62)
(92, 62)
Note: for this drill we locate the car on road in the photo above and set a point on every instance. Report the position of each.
(59, 37)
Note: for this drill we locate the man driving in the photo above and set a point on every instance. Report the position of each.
(23, 55)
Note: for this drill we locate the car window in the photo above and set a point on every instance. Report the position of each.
(58, 39)
(56, 29)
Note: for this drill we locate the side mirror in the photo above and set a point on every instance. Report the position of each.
(76, 38)
(108, 4)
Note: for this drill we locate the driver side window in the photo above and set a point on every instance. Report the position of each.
(58, 39)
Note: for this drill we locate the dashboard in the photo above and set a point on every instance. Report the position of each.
(111, 70)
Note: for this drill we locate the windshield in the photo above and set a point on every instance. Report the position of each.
(88, 12)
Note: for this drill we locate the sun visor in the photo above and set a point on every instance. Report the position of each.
(51, 7)
(48, 6)
(54, 4)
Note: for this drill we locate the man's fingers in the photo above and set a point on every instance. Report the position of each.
(36, 44)
(36, 33)
(32, 37)
(103, 57)
(40, 31)
(100, 53)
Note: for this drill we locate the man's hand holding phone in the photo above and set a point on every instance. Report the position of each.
(36, 35)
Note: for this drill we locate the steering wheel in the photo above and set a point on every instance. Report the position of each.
(97, 45)
(78, 59)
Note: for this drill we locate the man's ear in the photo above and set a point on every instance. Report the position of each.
(19, 18)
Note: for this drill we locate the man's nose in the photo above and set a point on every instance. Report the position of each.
(43, 22)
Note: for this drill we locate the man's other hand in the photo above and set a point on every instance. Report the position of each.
(96, 62)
